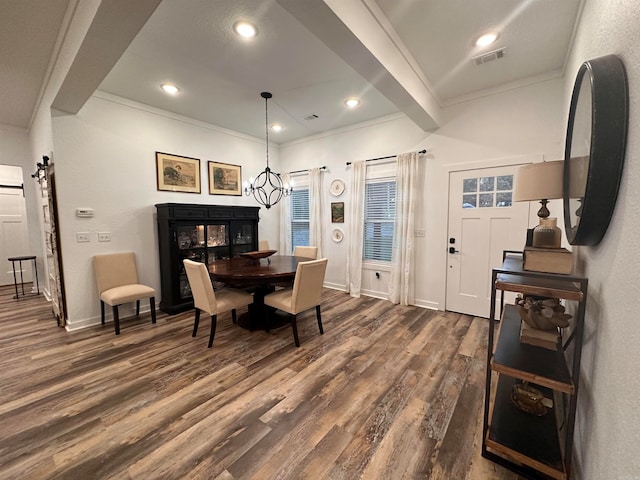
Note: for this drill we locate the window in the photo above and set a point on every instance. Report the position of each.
(487, 192)
(299, 217)
(379, 219)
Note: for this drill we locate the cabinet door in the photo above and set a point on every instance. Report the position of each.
(217, 242)
(190, 239)
(243, 237)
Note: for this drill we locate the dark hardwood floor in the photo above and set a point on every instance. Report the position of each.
(388, 392)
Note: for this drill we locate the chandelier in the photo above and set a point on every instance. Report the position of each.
(267, 188)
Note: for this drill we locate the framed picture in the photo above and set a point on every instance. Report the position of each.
(177, 174)
(337, 212)
(225, 179)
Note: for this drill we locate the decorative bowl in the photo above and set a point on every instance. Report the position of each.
(258, 254)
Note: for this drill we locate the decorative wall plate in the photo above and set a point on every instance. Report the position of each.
(337, 235)
(336, 188)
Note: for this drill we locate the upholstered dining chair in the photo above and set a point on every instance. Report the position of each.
(117, 281)
(307, 252)
(305, 294)
(263, 245)
(205, 299)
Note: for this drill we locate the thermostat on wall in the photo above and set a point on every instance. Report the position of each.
(84, 212)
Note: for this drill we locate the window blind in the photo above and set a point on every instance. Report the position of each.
(299, 217)
(379, 218)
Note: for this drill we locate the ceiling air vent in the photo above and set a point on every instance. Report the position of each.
(489, 56)
(311, 116)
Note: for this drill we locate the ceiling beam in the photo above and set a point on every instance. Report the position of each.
(113, 28)
(352, 31)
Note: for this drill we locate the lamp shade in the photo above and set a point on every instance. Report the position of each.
(578, 176)
(538, 181)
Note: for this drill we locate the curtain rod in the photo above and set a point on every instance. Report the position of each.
(306, 170)
(384, 158)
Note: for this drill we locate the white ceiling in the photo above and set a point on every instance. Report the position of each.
(397, 56)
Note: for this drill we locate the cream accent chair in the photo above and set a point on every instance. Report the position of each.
(263, 245)
(213, 303)
(305, 294)
(307, 252)
(117, 281)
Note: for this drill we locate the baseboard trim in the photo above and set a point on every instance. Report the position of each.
(335, 286)
(75, 325)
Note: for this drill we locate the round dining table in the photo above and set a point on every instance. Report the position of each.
(245, 272)
(261, 276)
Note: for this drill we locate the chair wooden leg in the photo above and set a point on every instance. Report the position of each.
(116, 320)
(214, 321)
(234, 316)
(319, 319)
(137, 308)
(152, 306)
(102, 312)
(294, 326)
(195, 323)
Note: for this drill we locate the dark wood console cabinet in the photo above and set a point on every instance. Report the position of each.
(202, 233)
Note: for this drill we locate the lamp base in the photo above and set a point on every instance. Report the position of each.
(547, 234)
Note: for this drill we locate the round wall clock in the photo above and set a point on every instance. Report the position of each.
(336, 188)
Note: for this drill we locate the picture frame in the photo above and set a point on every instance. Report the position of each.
(175, 173)
(225, 179)
(337, 212)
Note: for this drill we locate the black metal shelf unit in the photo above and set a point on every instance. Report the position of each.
(534, 447)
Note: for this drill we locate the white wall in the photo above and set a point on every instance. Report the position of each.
(105, 160)
(608, 427)
(499, 129)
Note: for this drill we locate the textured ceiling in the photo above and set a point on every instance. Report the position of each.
(397, 56)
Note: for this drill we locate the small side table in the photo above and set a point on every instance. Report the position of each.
(13, 261)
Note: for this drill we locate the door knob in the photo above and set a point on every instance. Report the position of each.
(453, 250)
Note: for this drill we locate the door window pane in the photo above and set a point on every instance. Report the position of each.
(504, 182)
(486, 200)
(503, 199)
(487, 184)
(469, 201)
(470, 185)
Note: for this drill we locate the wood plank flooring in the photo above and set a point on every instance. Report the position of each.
(388, 392)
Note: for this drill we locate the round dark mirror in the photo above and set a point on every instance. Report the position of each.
(594, 148)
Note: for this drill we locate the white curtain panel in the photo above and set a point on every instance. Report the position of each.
(285, 220)
(315, 208)
(402, 281)
(356, 228)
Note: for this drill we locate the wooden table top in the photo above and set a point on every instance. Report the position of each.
(282, 267)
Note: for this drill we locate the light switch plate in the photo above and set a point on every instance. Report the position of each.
(82, 237)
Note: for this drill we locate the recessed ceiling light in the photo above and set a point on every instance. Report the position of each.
(170, 88)
(486, 39)
(276, 127)
(245, 29)
(352, 102)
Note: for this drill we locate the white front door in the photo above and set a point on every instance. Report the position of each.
(483, 221)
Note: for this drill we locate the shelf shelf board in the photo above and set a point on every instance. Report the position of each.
(537, 283)
(538, 365)
(523, 438)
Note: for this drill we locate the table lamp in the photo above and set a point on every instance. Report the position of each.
(542, 182)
